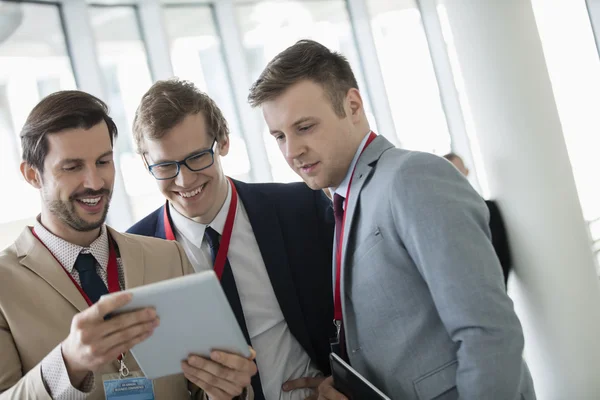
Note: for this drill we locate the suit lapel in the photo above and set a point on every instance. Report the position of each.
(365, 168)
(37, 258)
(132, 259)
(161, 231)
(268, 234)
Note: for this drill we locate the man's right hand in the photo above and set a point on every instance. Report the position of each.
(328, 392)
(223, 376)
(94, 342)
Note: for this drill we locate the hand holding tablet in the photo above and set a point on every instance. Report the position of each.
(224, 376)
(198, 334)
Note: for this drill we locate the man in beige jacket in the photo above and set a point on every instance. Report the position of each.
(55, 342)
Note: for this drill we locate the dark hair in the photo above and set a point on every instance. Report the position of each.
(310, 60)
(451, 156)
(68, 109)
(167, 103)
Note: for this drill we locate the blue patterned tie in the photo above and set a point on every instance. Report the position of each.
(91, 283)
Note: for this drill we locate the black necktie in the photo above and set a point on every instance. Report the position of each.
(91, 283)
(228, 283)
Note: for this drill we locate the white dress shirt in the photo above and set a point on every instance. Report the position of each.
(54, 371)
(279, 356)
(342, 189)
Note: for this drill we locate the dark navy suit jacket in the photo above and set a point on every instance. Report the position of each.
(293, 226)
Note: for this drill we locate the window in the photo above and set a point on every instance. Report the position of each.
(409, 76)
(268, 27)
(197, 56)
(34, 63)
(123, 60)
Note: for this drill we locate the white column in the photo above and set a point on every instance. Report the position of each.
(555, 289)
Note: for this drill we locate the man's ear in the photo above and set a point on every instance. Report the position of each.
(31, 175)
(223, 146)
(355, 104)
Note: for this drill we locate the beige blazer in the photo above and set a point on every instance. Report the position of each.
(38, 302)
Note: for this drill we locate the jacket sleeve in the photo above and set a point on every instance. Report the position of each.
(443, 223)
(13, 384)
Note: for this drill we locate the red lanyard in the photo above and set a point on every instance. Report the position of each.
(227, 230)
(338, 258)
(112, 270)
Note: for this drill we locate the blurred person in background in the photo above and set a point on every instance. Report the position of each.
(497, 227)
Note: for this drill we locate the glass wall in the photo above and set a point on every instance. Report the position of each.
(124, 63)
(219, 45)
(268, 27)
(34, 62)
(409, 76)
(197, 56)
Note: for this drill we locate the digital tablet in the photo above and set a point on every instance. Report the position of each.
(195, 318)
(350, 383)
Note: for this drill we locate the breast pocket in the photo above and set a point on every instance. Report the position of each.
(439, 384)
(365, 244)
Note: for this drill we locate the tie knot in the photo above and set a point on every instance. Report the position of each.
(85, 263)
(212, 237)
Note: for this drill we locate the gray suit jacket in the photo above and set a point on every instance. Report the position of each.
(426, 314)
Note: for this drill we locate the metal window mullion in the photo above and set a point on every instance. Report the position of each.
(367, 52)
(156, 38)
(237, 66)
(448, 92)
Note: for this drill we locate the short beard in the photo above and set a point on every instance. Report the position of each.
(65, 211)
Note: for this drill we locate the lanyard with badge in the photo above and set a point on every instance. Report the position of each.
(227, 230)
(126, 382)
(336, 342)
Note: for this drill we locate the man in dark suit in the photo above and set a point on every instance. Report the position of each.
(497, 227)
(272, 243)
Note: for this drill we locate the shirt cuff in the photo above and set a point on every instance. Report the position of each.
(56, 378)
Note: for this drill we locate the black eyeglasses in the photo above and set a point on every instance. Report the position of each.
(196, 162)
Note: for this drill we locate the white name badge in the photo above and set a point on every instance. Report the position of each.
(135, 388)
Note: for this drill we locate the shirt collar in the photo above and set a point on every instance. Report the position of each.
(342, 188)
(193, 230)
(66, 253)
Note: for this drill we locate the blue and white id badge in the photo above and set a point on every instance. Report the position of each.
(127, 385)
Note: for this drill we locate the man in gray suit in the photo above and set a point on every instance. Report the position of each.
(419, 298)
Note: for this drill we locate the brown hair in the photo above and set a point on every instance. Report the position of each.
(68, 109)
(451, 156)
(310, 60)
(167, 103)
